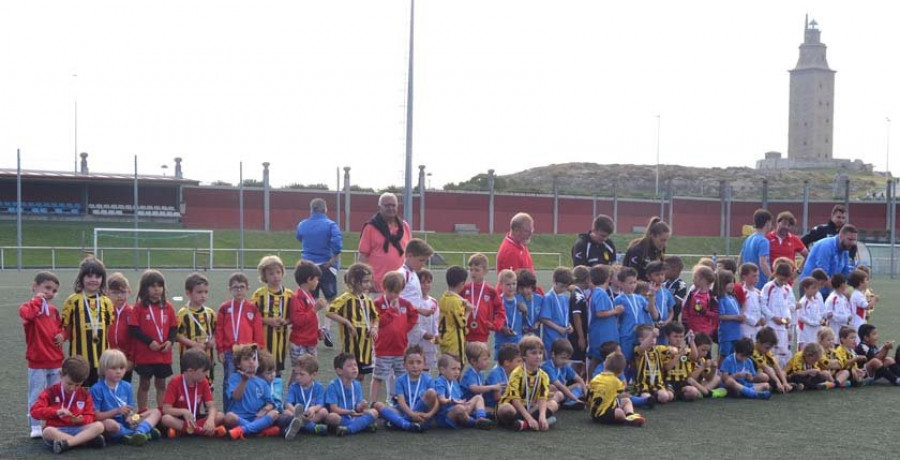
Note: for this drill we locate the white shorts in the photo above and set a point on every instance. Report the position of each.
(388, 366)
(300, 350)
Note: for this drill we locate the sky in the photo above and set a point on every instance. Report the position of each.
(311, 86)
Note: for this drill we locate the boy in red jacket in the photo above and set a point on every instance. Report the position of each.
(68, 410)
(43, 338)
(396, 317)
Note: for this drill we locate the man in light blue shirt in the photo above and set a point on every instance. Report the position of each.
(832, 254)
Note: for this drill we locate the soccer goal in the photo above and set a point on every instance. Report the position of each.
(154, 247)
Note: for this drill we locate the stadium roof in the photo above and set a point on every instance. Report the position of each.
(64, 176)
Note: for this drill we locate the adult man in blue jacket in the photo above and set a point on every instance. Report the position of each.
(322, 242)
(832, 254)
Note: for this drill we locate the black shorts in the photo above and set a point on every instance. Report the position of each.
(160, 371)
(606, 418)
(677, 388)
(366, 369)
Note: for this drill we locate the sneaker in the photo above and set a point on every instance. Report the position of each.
(60, 446)
(867, 381)
(136, 440)
(520, 425)
(220, 432)
(719, 393)
(484, 424)
(270, 432)
(635, 420)
(293, 429)
(98, 442)
(799, 387)
(236, 433)
(577, 405)
(342, 431)
(172, 433)
(825, 386)
(416, 427)
(327, 340)
(154, 434)
(763, 394)
(650, 403)
(551, 420)
(370, 429)
(320, 430)
(36, 432)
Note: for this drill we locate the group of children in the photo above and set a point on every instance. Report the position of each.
(597, 339)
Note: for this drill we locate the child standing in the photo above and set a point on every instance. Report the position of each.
(637, 311)
(119, 336)
(454, 309)
(188, 406)
(739, 375)
(237, 323)
(730, 317)
(44, 337)
(837, 307)
(429, 322)
(512, 330)
(252, 410)
(396, 317)
(530, 300)
(303, 311)
(674, 284)
(87, 315)
(554, 315)
(272, 302)
(609, 405)
(568, 386)
(196, 321)
(306, 397)
(357, 315)
(487, 310)
(114, 403)
(416, 255)
(348, 411)
(154, 328)
(664, 302)
(578, 316)
(777, 304)
(68, 410)
(701, 310)
(526, 403)
(811, 313)
(603, 324)
(751, 308)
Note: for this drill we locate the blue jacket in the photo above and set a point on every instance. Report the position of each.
(828, 255)
(321, 238)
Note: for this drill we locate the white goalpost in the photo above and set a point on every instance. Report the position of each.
(164, 242)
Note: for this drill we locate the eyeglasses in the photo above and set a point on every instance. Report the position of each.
(238, 288)
(118, 293)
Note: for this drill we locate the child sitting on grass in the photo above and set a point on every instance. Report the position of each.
(306, 398)
(252, 409)
(456, 412)
(568, 386)
(739, 375)
(803, 369)
(526, 403)
(764, 359)
(114, 403)
(68, 410)
(608, 403)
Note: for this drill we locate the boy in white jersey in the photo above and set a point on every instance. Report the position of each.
(777, 304)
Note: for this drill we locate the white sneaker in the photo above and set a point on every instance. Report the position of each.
(37, 432)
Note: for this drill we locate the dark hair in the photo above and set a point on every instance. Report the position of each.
(356, 273)
(418, 248)
(767, 336)
(845, 332)
(723, 278)
(151, 278)
(341, 359)
(193, 280)
(865, 330)
(456, 275)
(784, 269)
(238, 277)
(599, 274)
(307, 362)
(807, 282)
(525, 278)
(563, 275)
(76, 368)
(702, 338)
(305, 271)
(625, 273)
(748, 268)
(837, 280)
(674, 261)
(425, 275)
(856, 278)
(838, 208)
(604, 223)
(90, 266)
(655, 227)
(786, 215)
(581, 274)
(413, 350)
(819, 275)
(743, 346)
(674, 327)
(728, 264)
(507, 352)
(195, 359)
(848, 229)
(608, 347)
(44, 276)
(614, 363)
(561, 346)
(655, 267)
(761, 217)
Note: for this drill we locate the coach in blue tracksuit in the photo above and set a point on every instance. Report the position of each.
(832, 254)
(322, 242)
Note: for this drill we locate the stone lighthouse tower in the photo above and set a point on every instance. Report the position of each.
(811, 119)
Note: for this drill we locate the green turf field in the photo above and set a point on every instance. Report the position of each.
(857, 422)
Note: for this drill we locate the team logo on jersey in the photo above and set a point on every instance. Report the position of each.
(250, 315)
(147, 317)
(402, 309)
(487, 297)
(259, 393)
(181, 398)
(56, 399)
(80, 405)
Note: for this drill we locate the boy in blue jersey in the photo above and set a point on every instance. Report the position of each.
(252, 410)
(554, 315)
(508, 358)
(637, 311)
(516, 311)
(739, 375)
(456, 412)
(472, 382)
(730, 317)
(529, 300)
(268, 372)
(306, 399)
(603, 322)
(348, 411)
(756, 247)
(415, 401)
(568, 386)
(114, 404)
(663, 299)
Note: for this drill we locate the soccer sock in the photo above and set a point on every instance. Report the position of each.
(480, 413)
(470, 422)
(640, 400)
(310, 427)
(360, 423)
(394, 417)
(748, 392)
(143, 428)
(257, 425)
(718, 393)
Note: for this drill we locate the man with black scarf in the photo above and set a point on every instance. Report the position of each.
(383, 239)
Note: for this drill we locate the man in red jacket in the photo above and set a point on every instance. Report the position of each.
(513, 253)
(68, 410)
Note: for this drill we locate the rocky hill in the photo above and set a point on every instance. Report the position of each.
(639, 181)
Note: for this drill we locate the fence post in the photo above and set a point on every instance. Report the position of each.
(615, 215)
(490, 179)
(346, 198)
(847, 198)
(729, 191)
(893, 232)
(805, 206)
(555, 205)
(421, 198)
(670, 193)
(594, 204)
(765, 194)
(53, 258)
(266, 216)
(722, 208)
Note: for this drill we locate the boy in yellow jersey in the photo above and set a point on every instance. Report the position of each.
(803, 369)
(87, 314)
(526, 402)
(608, 403)
(677, 364)
(849, 360)
(272, 301)
(704, 376)
(649, 375)
(357, 317)
(196, 321)
(454, 310)
(766, 363)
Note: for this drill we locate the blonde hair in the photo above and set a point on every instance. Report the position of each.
(812, 349)
(112, 359)
(825, 334)
(267, 262)
(475, 350)
(117, 281)
(506, 275)
(478, 259)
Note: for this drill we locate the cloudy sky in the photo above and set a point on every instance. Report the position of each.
(313, 85)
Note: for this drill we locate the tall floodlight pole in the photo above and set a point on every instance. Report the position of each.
(136, 214)
(337, 198)
(658, 123)
(887, 147)
(407, 190)
(241, 213)
(19, 209)
(75, 79)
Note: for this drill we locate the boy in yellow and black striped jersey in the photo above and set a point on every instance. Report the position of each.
(608, 403)
(454, 310)
(196, 321)
(272, 300)
(704, 376)
(357, 316)
(87, 314)
(650, 377)
(526, 403)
